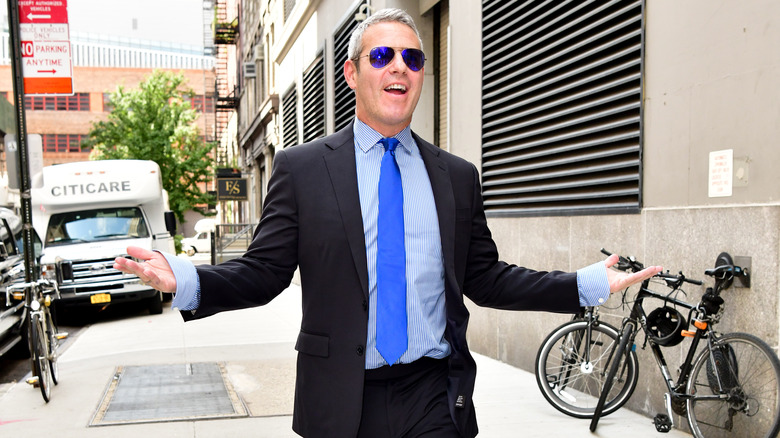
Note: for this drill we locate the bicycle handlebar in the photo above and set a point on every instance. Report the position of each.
(625, 263)
(678, 277)
(633, 265)
(25, 285)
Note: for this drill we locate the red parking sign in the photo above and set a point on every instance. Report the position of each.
(45, 46)
(43, 11)
(28, 49)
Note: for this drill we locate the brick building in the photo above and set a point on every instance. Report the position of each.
(99, 67)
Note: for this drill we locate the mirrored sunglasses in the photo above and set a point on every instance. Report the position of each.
(379, 57)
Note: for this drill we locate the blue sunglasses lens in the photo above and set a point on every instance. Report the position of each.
(414, 59)
(381, 56)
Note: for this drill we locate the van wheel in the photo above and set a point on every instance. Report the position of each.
(191, 251)
(156, 304)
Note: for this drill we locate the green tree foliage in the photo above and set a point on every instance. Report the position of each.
(156, 122)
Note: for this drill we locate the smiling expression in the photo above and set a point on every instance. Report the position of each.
(385, 97)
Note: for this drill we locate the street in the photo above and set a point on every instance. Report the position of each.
(14, 369)
(73, 321)
(254, 351)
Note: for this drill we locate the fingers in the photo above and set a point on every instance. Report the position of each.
(620, 280)
(127, 266)
(153, 270)
(611, 260)
(149, 277)
(140, 253)
(652, 270)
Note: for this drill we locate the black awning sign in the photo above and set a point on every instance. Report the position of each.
(232, 189)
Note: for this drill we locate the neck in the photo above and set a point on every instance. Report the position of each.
(385, 130)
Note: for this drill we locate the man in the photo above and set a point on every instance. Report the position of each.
(322, 215)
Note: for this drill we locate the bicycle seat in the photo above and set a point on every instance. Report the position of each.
(726, 272)
(723, 272)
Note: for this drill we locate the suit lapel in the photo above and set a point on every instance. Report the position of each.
(439, 175)
(340, 162)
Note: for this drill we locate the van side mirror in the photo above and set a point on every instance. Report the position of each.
(170, 222)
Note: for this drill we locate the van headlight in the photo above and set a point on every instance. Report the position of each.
(49, 271)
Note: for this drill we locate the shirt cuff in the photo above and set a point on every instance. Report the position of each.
(187, 283)
(593, 285)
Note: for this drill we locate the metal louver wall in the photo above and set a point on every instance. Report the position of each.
(289, 5)
(314, 100)
(344, 98)
(289, 117)
(561, 107)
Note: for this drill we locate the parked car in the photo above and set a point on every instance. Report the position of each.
(201, 242)
(13, 328)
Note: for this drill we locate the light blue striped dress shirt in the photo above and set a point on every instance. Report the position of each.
(424, 264)
(424, 260)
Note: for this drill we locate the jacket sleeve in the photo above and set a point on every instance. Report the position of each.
(493, 283)
(267, 267)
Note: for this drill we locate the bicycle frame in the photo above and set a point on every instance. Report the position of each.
(639, 317)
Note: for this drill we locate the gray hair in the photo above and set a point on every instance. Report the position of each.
(380, 16)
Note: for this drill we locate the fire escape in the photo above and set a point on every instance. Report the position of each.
(226, 90)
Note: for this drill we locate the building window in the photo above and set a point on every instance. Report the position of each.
(201, 103)
(64, 143)
(344, 98)
(289, 117)
(314, 100)
(107, 105)
(75, 102)
(561, 107)
(288, 8)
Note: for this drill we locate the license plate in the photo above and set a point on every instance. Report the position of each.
(100, 298)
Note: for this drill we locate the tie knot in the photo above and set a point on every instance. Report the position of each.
(389, 143)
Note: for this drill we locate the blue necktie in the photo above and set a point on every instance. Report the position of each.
(391, 338)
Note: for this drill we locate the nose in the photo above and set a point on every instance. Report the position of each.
(398, 64)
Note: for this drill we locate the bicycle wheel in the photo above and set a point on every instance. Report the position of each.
(51, 335)
(40, 362)
(569, 382)
(618, 361)
(736, 389)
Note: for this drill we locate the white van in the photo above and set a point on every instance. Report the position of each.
(89, 212)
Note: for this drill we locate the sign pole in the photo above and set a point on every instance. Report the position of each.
(21, 134)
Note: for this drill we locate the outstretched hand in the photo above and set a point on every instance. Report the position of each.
(154, 270)
(619, 280)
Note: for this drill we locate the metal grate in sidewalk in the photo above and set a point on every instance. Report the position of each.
(160, 393)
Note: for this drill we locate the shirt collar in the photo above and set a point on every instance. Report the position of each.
(366, 137)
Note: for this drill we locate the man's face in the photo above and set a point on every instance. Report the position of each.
(385, 97)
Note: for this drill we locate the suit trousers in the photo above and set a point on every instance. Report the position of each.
(407, 401)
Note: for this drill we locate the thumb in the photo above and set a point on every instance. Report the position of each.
(140, 253)
(611, 260)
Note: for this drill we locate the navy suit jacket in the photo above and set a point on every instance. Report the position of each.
(312, 220)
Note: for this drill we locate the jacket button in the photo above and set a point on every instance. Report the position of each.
(365, 305)
(359, 350)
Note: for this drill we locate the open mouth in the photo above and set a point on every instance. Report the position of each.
(396, 89)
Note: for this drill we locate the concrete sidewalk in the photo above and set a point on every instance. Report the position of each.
(255, 348)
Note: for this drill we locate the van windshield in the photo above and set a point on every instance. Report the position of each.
(96, 225)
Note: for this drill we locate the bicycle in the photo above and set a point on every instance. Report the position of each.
(573, 360)
(576, 372)
(42, 334)
(731, 388)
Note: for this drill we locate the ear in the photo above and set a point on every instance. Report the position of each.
(350, 73)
